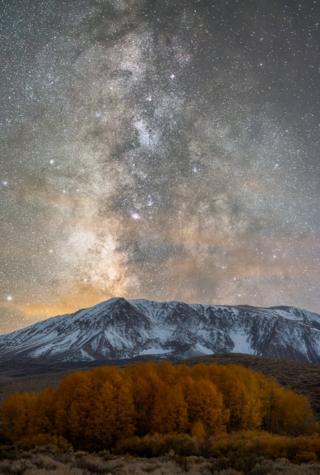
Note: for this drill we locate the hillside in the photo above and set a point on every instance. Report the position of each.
(120, 329)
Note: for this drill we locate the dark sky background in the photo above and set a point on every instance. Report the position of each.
(158, 149)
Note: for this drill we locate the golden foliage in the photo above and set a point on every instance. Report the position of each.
(241, 444)
(103, 407)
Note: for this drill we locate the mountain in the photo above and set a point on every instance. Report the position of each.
(122, 329)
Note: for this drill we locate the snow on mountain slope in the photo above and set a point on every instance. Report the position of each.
(119, 329)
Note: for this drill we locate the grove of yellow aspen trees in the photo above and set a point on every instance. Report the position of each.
(101, 408)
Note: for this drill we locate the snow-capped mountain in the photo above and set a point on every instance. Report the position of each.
(120, 329)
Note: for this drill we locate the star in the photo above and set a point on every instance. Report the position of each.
(134, 147)
(135, 216)
(150, 201)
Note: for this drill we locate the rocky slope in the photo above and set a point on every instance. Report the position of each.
(122, 329)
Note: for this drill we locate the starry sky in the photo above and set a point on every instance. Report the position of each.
(162, 149)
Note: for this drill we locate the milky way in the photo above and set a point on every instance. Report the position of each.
(158, 149)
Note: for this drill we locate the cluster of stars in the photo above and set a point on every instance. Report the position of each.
(166, 150)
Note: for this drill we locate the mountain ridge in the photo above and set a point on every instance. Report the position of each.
(120, 329)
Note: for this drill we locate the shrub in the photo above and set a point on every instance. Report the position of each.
(148, 446)
(243, 445)
(182, 444)
(8, 453)
(49, 443)
(92, 464)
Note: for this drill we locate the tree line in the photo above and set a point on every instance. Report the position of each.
(101, 408)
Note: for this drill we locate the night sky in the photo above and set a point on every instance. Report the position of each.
(163, 149)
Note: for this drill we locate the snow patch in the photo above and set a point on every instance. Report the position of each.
(154, 351)
(240, 342)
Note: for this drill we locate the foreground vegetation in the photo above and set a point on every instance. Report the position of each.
(303, 378)
(226, 416)
(48, 460)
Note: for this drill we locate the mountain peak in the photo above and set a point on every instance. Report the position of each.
(119, 328)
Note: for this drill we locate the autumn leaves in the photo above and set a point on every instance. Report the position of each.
(102, 408)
